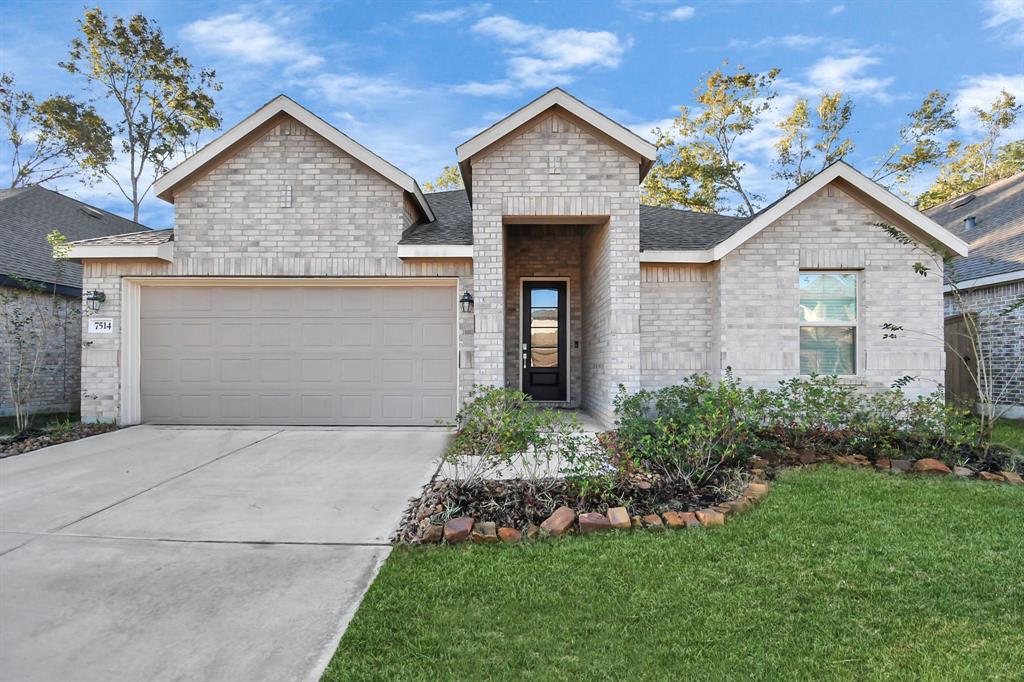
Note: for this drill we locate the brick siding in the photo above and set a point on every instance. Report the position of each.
(344, 221)
(59, 374)
(1002, 335)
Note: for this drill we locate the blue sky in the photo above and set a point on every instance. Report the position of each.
(413, 80)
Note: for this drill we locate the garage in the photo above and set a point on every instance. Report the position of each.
(339, 353)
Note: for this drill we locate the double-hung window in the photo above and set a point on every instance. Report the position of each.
(828, 323)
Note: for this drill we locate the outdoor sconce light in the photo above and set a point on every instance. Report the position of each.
(466, 302)
(95, 300)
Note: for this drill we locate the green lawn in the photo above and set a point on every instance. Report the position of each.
(1010, 433)
(838, 574)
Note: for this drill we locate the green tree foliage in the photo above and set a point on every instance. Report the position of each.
(802, 152)
(920, 144)
(163, 103)
(50, 140)
(972, 166)
(450, 178)
(698, 167)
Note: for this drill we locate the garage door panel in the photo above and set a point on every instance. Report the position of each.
(298, 355)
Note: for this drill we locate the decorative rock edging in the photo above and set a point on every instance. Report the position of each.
(564, 521)
(930, 466)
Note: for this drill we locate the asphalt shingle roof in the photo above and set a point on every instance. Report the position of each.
(132, 238)
(28, 214)
(997, 239)
(661, 228)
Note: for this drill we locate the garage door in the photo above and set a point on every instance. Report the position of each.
(327, 355)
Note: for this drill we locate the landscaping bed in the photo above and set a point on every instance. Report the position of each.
(693, 448)
(62, 432)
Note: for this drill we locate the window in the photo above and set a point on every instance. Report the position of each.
(828, 323)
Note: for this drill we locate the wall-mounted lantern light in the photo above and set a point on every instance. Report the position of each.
(466, 302)
(95, 299)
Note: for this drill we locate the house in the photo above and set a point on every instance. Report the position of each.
(990, 281)
(27, 268)
(309, 281)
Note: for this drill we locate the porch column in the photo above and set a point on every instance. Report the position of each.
(489, 296)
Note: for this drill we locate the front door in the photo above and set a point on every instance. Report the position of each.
(545, 361)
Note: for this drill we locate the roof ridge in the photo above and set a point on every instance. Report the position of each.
(990, 185)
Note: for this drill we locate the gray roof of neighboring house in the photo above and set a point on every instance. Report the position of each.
(28, 214)
(143, 237)
(661, 228)
(997, 239)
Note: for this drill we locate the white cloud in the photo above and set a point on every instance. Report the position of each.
(847, 74)
(250, 40)
(495, 89)
(645, 129)
(681, 13)
(795, 41)
(353, 88)
(540, 57)
(1008, 17)
(837, 9)
(450, 15)
(981, 91)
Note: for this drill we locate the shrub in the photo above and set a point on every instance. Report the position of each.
(687, 432)
(500, 431)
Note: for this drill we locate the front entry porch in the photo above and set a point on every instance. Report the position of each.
(545, 316)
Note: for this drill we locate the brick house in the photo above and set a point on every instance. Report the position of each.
(308, 281)
(27, 269)
(991, 281)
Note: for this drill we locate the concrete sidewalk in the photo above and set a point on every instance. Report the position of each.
(156, 553)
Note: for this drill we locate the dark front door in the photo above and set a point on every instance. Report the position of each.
(545, 361)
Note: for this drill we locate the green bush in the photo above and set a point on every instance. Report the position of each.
(693, 430)
(687, 432)
(500, 431)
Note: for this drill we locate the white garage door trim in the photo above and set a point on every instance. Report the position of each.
(131, 318)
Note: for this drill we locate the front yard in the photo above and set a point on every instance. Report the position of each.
(838, 574)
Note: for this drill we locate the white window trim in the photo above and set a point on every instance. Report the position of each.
(568, 336)
(858, 358)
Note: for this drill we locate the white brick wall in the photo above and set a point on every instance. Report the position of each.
(676, 304)
(344, 221)
(591, 179)
(758, 317)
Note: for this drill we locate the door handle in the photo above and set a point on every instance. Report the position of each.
(524, 359)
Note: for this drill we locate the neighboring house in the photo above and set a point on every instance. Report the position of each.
(991, 280)
(311, 282)
(27, 216)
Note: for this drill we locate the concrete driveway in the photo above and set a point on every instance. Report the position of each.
(168, 553)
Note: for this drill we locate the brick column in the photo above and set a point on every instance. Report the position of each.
(489, 292)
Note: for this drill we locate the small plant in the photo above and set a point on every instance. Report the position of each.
(687, 432)
(500, 431)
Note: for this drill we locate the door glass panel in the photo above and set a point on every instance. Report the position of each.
(540, 338)
(544, 298)
(544, 357)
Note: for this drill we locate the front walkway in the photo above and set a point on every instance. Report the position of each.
(196, 553)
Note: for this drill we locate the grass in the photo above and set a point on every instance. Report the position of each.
(1010, 432)
(838, 574)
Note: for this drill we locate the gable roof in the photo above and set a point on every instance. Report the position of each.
(28, 214)
(556, 97)
(661, 228)
(997, 237)
(851, 179)
(676, 235)
(165, 186)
